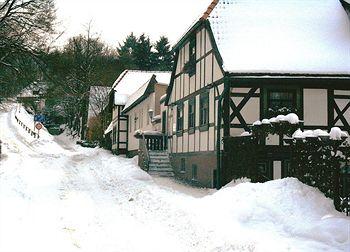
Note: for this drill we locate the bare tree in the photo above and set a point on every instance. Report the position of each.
(25, 28)
(82, 58)
(98, 99)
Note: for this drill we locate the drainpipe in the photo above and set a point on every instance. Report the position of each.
(218, 141)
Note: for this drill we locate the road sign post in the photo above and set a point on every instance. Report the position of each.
(38, 126)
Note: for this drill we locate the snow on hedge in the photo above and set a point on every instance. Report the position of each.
(290, 118)
(335, 134)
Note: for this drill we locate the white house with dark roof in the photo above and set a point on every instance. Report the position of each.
(246, 60)
(135, 94)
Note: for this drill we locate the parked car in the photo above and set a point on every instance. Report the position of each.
(88, 144)
(54, 129)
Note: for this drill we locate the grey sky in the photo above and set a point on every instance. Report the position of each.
(114, 19)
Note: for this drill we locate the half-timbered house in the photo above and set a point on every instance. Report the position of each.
(134, 94)
(143, 110)
(246, 60)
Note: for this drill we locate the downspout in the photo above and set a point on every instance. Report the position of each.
(218, 143)
(218, 137)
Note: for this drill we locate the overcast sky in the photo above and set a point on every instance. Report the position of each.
(114, 19)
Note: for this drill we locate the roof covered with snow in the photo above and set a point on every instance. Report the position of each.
(142, 92)
(275, 36)
(109, 128)
(131, 80)
(135, 96)
(132, 84)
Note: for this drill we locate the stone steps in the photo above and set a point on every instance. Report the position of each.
(160, 164)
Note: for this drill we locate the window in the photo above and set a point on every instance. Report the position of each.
(204, 109)
(191, 64)
(183, 165)
(135, 122)
(281, 101)
(194, 172)
(193, 49)
(180, 118)
(148, 118)
(114, 140)
(192, 113)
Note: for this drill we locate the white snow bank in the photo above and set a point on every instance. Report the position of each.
(286, 207)
(45, 143)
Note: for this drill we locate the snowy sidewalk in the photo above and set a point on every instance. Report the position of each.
(56, 196)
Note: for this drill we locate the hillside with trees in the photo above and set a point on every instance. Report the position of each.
(27, 56)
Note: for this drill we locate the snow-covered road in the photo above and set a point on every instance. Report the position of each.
(56, 196)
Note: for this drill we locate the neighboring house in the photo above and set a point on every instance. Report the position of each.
(134, 94)
(143, 110)
(33, 96)
(243, 61)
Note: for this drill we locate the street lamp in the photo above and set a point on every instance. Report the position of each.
(150, 114)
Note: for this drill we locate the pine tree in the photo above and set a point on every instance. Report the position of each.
(163, 54)
(126, 52)
(143, 53)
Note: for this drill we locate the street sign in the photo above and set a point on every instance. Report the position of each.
(38, 126)
(39, 118)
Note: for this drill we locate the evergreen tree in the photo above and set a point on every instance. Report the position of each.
(140, 53)
(143, 53)
(163, 54)
(126, 52)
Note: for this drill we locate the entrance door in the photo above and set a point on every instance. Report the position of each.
(265, 171)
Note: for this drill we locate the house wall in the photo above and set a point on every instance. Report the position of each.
(315, 107)
(342, 101)
(159, 90)
(142, 122)
(119, 133)
(201, 142)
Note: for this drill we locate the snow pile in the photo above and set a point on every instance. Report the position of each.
(289, 36)
(285, 207)
(45, 143)
(147, 133)
(246, 133)
(290, 118)
(335, 134)
(120, 99)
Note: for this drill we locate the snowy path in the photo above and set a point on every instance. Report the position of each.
(55, 196)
